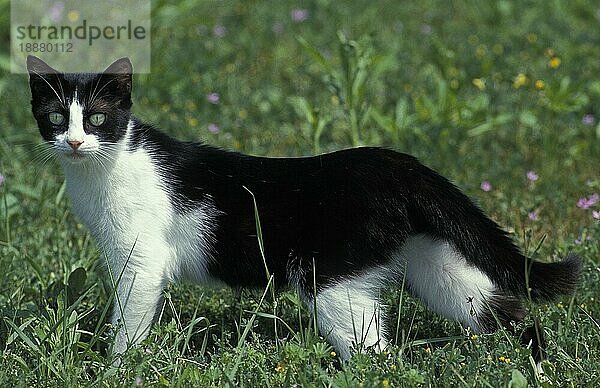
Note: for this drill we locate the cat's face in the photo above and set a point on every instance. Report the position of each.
(81, 115)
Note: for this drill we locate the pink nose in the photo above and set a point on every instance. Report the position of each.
(74, 144)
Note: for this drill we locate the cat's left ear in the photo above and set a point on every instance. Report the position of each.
(121, 70)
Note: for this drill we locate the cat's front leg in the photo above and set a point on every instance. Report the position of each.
(138, 296)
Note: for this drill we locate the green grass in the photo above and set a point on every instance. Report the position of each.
(435, 80)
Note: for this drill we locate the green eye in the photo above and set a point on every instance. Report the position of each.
(97, 119)
(56, 118)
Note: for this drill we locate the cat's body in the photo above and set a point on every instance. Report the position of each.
(342, 226)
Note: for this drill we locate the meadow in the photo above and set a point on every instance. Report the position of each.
(502, 97)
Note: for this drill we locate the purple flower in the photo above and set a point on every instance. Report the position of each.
(213, 128)
(586, 203)
(486, 186)
(588, 119)
(578, 241)
(138, 381)
(532, 176)
(426, 29)
(596, 214)
(219, 31)
(299, 15)
(213, 98)
(56, 10)
(533, 215)
(1, 179)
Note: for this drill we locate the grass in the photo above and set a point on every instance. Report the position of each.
(479, 91)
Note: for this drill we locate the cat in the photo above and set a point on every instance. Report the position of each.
(341, 227)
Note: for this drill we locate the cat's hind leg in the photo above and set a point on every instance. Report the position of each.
(443, 279)
(349, 314)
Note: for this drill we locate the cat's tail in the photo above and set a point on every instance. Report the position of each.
(546, 281)
(440, 209)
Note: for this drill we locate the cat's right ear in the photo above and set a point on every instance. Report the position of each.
(36, 66)
(39, 74)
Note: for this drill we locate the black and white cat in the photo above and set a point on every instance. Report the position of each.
(362, 219)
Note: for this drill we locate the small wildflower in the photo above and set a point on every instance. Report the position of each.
(385, 383)
(474, 337)
(333, 354)
(532, 37)
(299, 15)
(532, 176)
(219, 31)
(213, 128)
(73, 16)
(559, 305)
(426, 29)
(554, 62)
(139, 382)
(479, 83)
(549, 52)
(504, 359)
(578, 241)
(213, 97)
(586, 203)
(279, 368)
(1, 179)
(588, 119)
(596, 214)
(192, 121)
(578, 359)
(486, 186)
(428, 350)
(56, 11)
(533, 215)
(520, 80)
(277, 28)
(501, 358)
(393, 367)
(539, 84)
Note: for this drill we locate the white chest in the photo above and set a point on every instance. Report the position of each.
(128, 211)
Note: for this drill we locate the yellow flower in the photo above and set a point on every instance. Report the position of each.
(333, 354)
(393, 367)
(428, 350)
(540, 84)
(554, 62)
(520, 80)
(531, 37)
(501, 358)
(549, 52)
(504, 359)
(279, 368)
(479, 83)
(73, 16)
(578, 359)
(474, 337)
(192, 121)
(385, 383)
(243, 114)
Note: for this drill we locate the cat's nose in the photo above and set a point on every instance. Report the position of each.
(74, 144)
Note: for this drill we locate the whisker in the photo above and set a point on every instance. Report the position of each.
(51, 87)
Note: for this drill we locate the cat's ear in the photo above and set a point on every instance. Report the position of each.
(36, 66)
(41, 76)
(121, 70)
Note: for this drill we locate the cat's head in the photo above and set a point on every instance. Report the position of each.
(81, 115)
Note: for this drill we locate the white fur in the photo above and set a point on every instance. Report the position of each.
(442, 278)
(125, 205)
(75, 132)
(349, 312)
